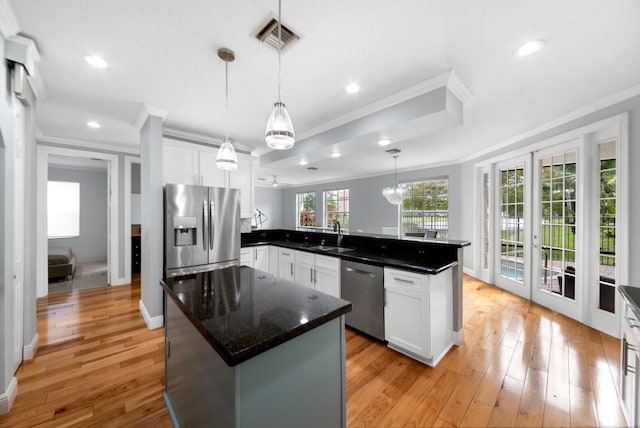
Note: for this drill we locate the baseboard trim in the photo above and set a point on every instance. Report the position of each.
(469, 271)
(152, 322)
(119, 281)
(7, 397)
(29, 351)
(458, 337)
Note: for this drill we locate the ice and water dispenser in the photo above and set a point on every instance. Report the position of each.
(184, 231)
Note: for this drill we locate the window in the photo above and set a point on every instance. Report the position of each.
(336, 207)
(306, 209)
(63, 209)
(426, 207)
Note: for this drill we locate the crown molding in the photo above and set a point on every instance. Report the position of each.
(576, 114)
(147, 110)
(455, 85)
(193, 137)
(24, 51)
(447, 79)
(86, 145)
(8, 21)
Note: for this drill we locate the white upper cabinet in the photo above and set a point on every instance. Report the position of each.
(185, 163)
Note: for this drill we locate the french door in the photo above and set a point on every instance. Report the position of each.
(558, 228)
(512, 224)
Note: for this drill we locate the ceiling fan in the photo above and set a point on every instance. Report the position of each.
(274, 181)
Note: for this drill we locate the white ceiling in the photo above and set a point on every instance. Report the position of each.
(163, 53)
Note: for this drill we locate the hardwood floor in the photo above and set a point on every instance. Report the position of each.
(520, 365)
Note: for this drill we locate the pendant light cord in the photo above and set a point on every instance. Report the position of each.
(279, 48)
(226, 95)
(395, 170)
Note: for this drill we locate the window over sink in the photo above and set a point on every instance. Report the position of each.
(306, 209)
(336, 208)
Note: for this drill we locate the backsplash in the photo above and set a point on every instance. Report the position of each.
(245, 225)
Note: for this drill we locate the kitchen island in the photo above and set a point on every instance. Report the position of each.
(246, 349)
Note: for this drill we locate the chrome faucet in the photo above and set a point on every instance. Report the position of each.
(336, 228)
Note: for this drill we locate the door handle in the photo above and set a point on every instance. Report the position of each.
(315, 275)
(211, 228)
(205, 225)
(291, 268)
(361, 272)
(311, 275)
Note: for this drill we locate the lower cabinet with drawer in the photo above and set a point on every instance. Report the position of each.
(418, 314)
(319, 272)
(629, 366)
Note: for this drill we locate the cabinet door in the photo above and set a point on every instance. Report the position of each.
(286, 260)
(246, 256)
(327, 275)
(404, 323)
(304, 266)
(261, 258)
(273, 260)
(242, 179)
(210, 174)
(179, 165)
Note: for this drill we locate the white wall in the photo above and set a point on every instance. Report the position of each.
(91, 245)
(269, 201)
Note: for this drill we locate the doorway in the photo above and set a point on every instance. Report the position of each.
(132, 219)
(44, 156)
(559, 213)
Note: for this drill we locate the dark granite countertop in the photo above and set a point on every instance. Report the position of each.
(631, 295)
(417, 262)
(243, 312)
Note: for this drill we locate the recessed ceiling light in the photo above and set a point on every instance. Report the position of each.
(95, 61)
(93, 124)
(352, 88)
(384, 142)
(303, 162)
(529, 48)
(335, 155)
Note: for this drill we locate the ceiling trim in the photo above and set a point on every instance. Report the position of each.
(429, 85)
(455, 85)
(193, 137)
(86, 145)
(8, 21)
(147, 110)
(24, 51)
(582, 111)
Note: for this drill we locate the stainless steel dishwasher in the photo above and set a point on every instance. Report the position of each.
(363, 286)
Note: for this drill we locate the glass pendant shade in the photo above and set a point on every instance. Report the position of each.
(395, 194)
(279, 133)
(227, 158)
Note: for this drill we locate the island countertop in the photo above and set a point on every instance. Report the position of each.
(243, 312)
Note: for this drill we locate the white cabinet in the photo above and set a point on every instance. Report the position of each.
(319, 272)
(273, 260)
(255, 257)
(246, 256)
(419, 313)
(185, 163)
(286, 262)
(629, 375)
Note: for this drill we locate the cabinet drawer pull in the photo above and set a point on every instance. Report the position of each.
(631, 322)
(285, 254)
(406, 281)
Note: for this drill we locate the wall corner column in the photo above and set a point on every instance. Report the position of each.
(150, 120)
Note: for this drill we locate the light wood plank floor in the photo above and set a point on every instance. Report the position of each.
(520, 365)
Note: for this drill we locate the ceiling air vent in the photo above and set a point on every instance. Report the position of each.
(312, 168)
(269, 35)
(393, 151)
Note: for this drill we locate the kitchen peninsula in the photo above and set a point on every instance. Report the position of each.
(428, 257)
(246, 349)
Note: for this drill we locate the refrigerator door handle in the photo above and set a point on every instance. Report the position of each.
(205, 225)
(211, 226)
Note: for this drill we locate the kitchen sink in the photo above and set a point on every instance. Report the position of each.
(331, 248)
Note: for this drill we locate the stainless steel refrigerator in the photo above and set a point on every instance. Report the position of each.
(202, 228)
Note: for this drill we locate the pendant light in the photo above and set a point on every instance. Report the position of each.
(226, 158)
(279, 133)
(395, 194)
